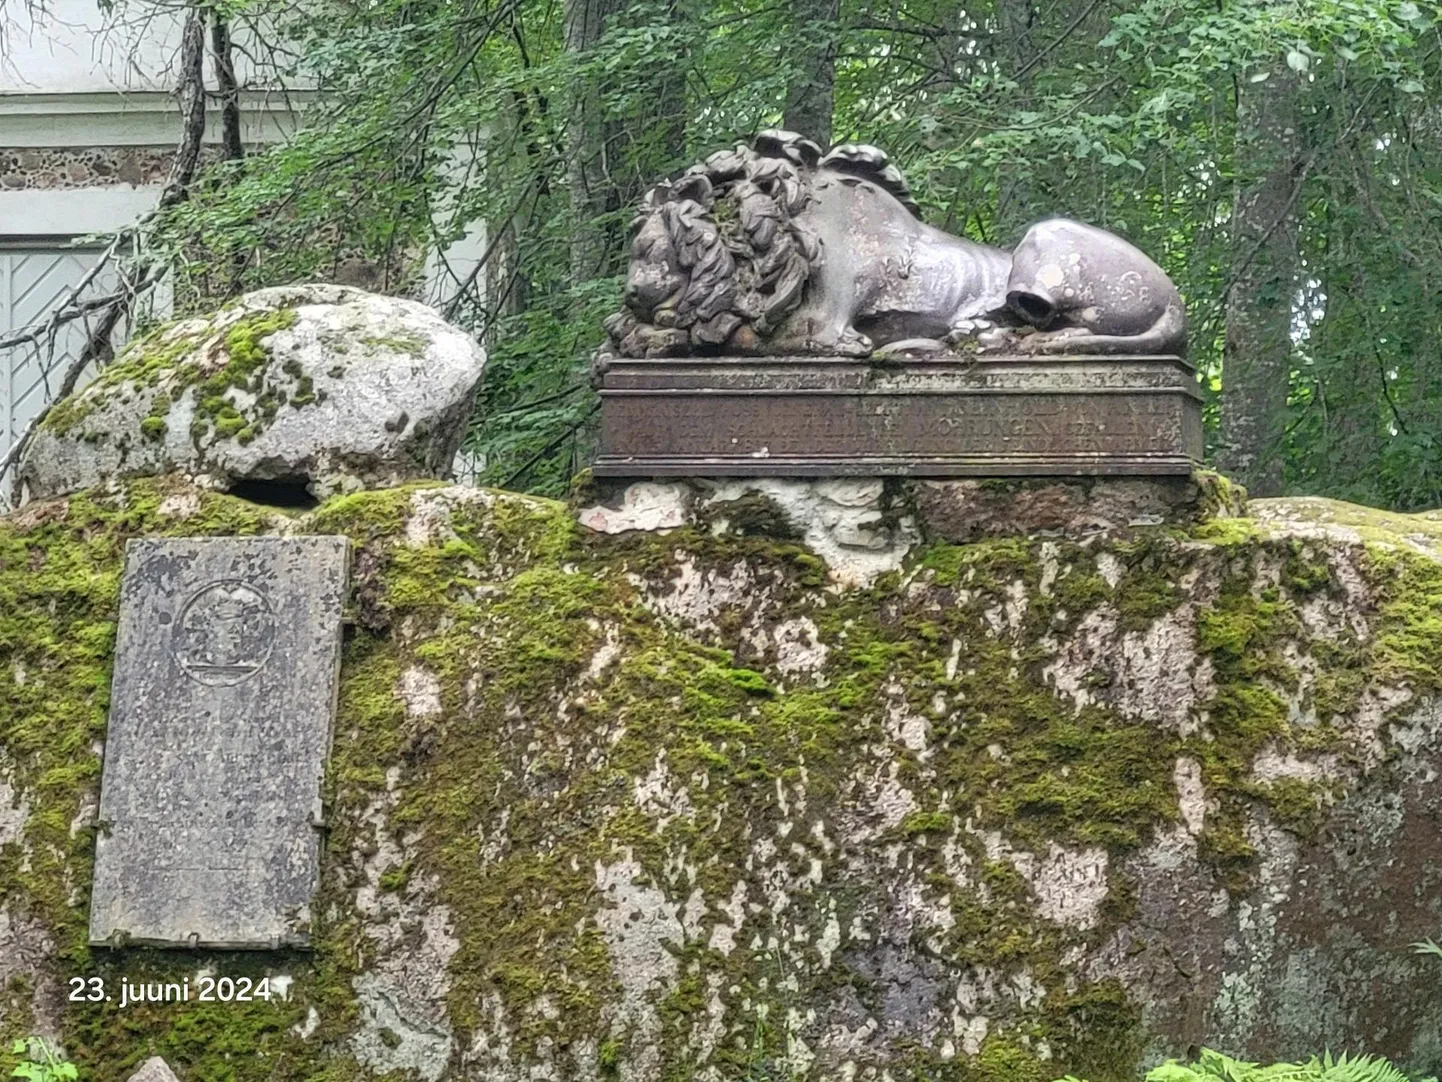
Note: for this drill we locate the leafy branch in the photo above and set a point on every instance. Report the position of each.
(41, 1062)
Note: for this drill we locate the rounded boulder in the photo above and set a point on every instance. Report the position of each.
(320, 387)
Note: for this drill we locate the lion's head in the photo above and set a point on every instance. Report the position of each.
(719, 258)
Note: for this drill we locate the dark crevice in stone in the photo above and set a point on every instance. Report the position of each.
(290, 492)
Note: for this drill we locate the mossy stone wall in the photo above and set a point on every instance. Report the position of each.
(666, 806)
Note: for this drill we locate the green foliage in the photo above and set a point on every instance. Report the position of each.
(1428, 946)
(1123, 115)
(1212, 1066)
(40, 1062)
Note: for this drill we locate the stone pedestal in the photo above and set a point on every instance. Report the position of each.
(865, 526)
(942, 417)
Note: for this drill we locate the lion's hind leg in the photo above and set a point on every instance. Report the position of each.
(828, 330)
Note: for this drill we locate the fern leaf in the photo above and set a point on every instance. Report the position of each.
(1360, 1069)
(1172, 1071)
(1215, 1065)
(1427, 946)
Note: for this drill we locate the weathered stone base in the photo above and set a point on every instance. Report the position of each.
(1063, 416)
(661, 806)
(865, 526)
(963, 510)
(859, 526)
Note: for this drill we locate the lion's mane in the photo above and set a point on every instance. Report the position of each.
(735, 241)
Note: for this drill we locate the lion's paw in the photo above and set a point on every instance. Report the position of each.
(965, 329)
(852, 343)
(1000, 340)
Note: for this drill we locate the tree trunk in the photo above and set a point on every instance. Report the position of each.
(232, 149)
(1016, 51)
(588, 173)
(506, 292)
(668, 144)
(1015, 22)
(1257, 349)
(811, 89)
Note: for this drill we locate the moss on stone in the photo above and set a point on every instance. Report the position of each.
(563, 683)
(1220, 496)
(304, 393)
(936, 822)
(753, 513)
(218, 414)
(142, 364)
(1151, 590)
(413, 345)
(228, 422)
(155, 361)
(1408, 645)
(59, 582)
(1299, 806)
(1306, 572)
(243, 345)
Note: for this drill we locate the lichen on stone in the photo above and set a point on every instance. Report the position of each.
(250, 393)
(237, 348)
(655, 805)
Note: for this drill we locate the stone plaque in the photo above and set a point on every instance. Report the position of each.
(952, 417)
(226, 667)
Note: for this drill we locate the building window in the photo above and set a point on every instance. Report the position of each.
(35, 277)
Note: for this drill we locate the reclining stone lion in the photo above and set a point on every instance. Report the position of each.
(775, 249)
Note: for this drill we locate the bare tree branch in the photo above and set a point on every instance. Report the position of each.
(116, 307)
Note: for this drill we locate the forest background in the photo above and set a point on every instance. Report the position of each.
(1281, 160)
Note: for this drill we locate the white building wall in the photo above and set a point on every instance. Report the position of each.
(73, 47)
(88, 125)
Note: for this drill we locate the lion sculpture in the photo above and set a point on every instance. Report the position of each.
(775, 249)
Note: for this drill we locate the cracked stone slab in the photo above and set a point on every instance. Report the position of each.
(222, 709)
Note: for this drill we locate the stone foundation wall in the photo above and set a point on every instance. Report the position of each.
(65, 168)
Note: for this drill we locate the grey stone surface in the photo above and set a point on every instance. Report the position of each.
(394, 1035)
(863, 527)
(1231, 955)
(854, 524)
(965, 510)
(354, 390)
(154, 1069)
(222, 707)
